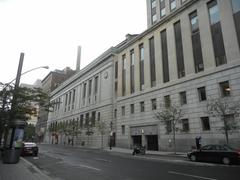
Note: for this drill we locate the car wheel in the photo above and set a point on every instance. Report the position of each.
(226, 161)
(193, 158)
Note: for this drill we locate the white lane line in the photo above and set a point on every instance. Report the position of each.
(89, 167)
(104, 160)
(189, 175)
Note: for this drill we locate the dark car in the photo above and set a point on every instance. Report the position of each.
(30, 148)
(216, 153)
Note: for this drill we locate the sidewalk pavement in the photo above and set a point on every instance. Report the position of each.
(23, 170)
(155, 153)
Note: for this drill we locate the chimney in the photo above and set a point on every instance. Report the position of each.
(78, 59)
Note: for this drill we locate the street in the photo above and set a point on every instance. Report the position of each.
(70, 163)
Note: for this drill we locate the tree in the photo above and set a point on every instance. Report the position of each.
(225, 110)
(89, 128)
(29, 132)
(102, 127)
(24, 108)
(170, 116)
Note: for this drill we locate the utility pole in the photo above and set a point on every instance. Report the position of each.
(15, 129)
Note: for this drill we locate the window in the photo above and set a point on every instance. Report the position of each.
(169, 126)
(205, 123)
(115, 113)
(123, 110)
(87, 123)
(116, 87)
(167, 101)
(202, 94)
(185, 125)
(81, 120)
(123, 129)
(93, 118)
(84, 89)
(153, 11)
(225, 89)
(236, 6)
(73, 98)
(90, 88)
(162, 8)
(70, 97)
(183, 97)
(236, 16)
(132, 58)
(142, 108)
(216, 31)
(99, 116)
(66, 100)
(152, 62)
(141, 50)
(124, 75)
(196, 43)
(96, 85)
(116, 70)
(173, 5)
(154, 104)
(165, 56)
(132, 108)
(179, 49)
(213, 12)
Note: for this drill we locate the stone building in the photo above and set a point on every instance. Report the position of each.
(188, 55)
(87, 99)
(48, 84)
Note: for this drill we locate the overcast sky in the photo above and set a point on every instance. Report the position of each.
(49, 31)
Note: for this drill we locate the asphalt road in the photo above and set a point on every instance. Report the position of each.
(67, 163)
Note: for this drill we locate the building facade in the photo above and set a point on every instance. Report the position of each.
(85, 99)
(48, 84)
(189, 55)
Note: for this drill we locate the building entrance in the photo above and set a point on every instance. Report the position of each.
(137, 140)
(152, 142)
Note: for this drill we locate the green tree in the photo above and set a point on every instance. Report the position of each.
(227, 111)
(29, 133)
(24, 108)
(170, 116)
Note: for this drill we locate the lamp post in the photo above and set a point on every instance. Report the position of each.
(15, 129)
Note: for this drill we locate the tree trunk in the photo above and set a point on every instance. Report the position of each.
(226, 130)
(102, 141)
(174, 139)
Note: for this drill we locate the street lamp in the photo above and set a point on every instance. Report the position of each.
(15, 129)
(44, 67)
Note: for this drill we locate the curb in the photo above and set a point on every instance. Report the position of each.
(45, 177)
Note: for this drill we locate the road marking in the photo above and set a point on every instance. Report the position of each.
(104, 160)
(189, 175)
(89, 167)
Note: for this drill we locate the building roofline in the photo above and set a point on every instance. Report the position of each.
(110, 52)
(155, 26)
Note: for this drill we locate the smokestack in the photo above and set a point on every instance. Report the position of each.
(78, 58)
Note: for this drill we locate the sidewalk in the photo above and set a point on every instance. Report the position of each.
(155, 153)
(21, 171)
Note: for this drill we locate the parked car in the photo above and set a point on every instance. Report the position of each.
(29, 148)
(216, 153)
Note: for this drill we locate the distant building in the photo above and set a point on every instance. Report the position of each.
(37, 84)
(49, 83)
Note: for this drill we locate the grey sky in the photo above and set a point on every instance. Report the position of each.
(49, 31)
